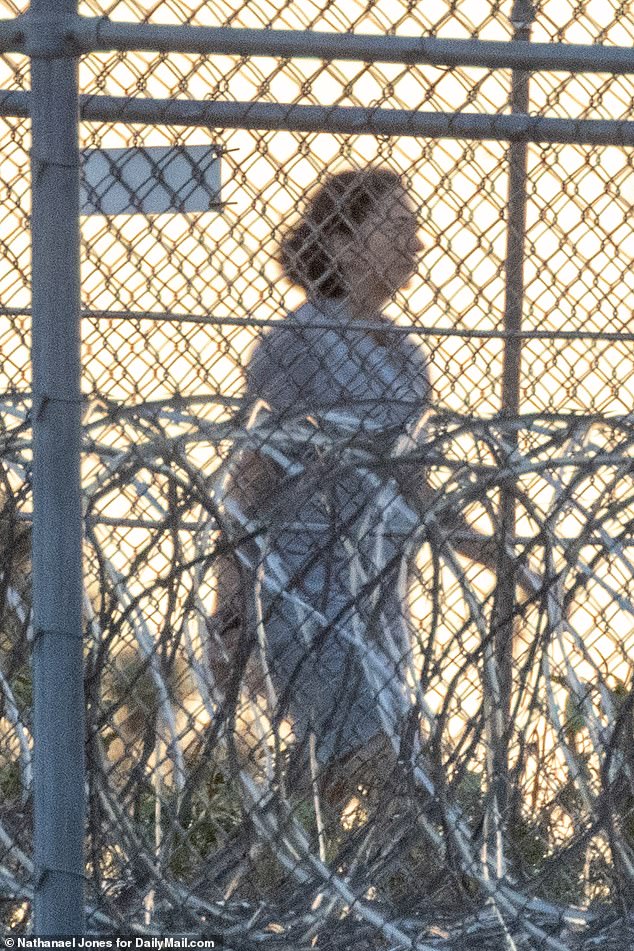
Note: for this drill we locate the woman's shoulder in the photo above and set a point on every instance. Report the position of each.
(288, 362)
(303, 333)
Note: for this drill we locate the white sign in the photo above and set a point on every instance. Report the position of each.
(150, 180)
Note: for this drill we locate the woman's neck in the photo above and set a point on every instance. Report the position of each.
(357, 307)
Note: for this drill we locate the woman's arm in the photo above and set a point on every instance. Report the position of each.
(452, 529)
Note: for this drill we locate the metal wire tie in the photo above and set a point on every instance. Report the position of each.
(40, 401)
(44, 870)
(57, 631)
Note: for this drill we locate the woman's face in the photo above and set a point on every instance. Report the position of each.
(380, 257)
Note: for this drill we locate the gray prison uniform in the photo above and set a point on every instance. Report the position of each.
(326, 579)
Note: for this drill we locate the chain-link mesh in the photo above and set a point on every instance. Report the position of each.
(314, 717)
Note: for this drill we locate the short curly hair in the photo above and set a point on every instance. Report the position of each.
(340, 204)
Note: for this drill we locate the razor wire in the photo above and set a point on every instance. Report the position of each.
(162, 734)
(200, 818)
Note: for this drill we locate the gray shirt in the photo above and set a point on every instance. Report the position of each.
(328, 594)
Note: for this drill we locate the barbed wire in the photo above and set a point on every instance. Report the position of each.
(141, 698)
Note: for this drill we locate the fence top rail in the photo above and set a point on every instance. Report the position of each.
(89, 34)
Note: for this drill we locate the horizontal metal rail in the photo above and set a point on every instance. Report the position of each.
(186, 526)
(341, 120)
(362, 326)
(88, 34)
(103, 34)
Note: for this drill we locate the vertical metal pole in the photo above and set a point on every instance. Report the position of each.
(522, 17)
(59, 807)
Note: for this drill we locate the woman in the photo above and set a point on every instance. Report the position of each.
(315, 600)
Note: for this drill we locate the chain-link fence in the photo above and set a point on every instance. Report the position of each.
(358, 625)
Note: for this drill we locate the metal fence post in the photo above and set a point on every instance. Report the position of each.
(521, 16)
(57, 522)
